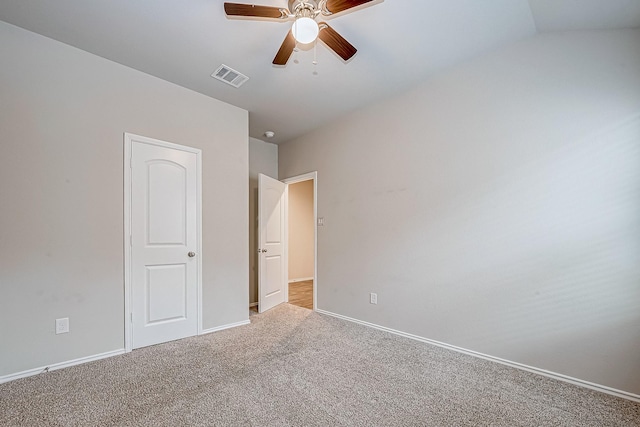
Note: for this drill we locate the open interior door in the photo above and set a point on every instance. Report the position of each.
(271, 261)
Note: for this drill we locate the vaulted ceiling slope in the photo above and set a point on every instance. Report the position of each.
(400, 44)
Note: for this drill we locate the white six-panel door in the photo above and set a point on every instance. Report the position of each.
(164, 242)
(271, 260)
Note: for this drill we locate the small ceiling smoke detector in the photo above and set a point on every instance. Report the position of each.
(229, 76)
(269, 134)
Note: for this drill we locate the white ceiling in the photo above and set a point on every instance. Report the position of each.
(563, 15)
(400, 44)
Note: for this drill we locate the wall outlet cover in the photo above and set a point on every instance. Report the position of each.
(62, 325)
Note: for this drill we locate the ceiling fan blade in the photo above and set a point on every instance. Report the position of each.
(239, 9)
(336, 6)
(285, 51)
(336, 42)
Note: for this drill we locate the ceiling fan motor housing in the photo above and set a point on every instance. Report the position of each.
(302, 4)
(308, 8)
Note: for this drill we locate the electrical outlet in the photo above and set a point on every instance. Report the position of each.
(62, 325)
(374, 298)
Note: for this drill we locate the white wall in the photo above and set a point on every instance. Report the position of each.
(496, 207)
(263, 158)
(63, 113)
(301, 230)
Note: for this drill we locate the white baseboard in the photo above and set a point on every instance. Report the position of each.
(223, 327)
(544, 372)
(302, 279)
(60, 365)
(253, 304)
(66, 364)
(56, 366)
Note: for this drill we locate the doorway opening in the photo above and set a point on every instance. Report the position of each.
(301, 230)
(279, 266)
(300, 255)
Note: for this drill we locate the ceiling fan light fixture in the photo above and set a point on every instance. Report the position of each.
(305, 30)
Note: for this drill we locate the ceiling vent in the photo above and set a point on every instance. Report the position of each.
(229, 76)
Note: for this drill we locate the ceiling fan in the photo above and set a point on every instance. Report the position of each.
(306, 29)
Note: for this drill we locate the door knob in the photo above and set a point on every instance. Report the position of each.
(264, 250)
(191, 254)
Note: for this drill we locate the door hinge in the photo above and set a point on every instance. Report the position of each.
(131, 315)
(130, 240)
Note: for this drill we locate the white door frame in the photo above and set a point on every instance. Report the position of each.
(293, 180)
(129, 139)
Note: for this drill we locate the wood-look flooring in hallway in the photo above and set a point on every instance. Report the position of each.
(301, 294)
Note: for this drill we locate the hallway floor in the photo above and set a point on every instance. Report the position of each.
(301, 294)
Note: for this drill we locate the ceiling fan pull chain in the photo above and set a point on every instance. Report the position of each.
(315, 52)
(295, 54)
(315, 58)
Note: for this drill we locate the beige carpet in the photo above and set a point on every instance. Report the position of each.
(294, 367)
